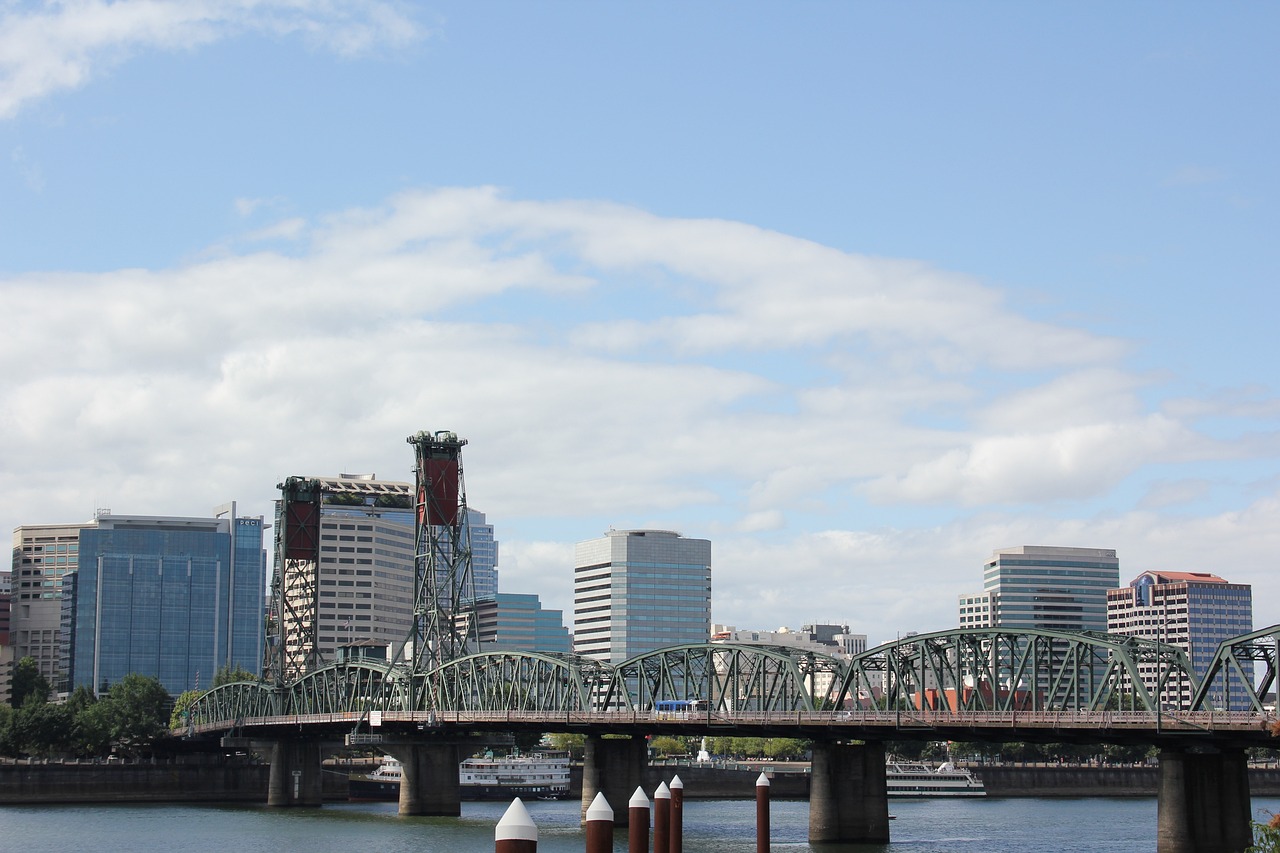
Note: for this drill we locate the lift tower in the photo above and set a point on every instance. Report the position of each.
(444, 610)
(292, 648)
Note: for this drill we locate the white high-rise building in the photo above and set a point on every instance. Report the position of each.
(639, 590)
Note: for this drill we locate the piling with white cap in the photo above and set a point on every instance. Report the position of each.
(661, 818)
(677, 816)
(638, 822)
(516, 831)
(762, 813)
(599, 825)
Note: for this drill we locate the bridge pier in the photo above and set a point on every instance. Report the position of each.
(614, 767)
(1203, 802)
(295, 774)
(429, 779)
(848, 794)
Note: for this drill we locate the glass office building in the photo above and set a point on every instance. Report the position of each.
(517, 622)
(639, 590)
(1195, 611)
(171, 598)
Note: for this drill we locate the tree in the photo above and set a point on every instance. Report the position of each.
(665, 745)
(574, 744)
(786, 748)
(27, 681)
(187, 698)
(228, 674)
(42, 728)
(136, 704)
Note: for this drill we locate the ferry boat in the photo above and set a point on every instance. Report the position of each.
(538, 775)
(913, 779)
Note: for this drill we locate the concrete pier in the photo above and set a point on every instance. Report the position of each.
(295, 774)
(429, 780)
(1203, 803)
(848, 795)
(614, 767)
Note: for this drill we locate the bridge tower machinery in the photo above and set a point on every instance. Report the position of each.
(292, 648)
(445, 625)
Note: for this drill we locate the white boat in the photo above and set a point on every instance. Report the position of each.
(913, 779)
(538, 775)
(541, 775)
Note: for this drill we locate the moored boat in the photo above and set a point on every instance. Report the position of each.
(537, 775)
(914, 779)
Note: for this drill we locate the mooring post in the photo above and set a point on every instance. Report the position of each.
(638, 822)
(762, 813)
(662, 818)
(516, 831)
(599, 826)
(677, 816)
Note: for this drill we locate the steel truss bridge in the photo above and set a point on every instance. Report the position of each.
(962, 684)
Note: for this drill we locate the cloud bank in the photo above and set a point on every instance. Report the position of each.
(855, 434)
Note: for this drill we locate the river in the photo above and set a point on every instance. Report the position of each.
(991, 825)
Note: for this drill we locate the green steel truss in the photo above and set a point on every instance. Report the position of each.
(1234, 668)
(730, 679)
(512, 681)
(992, 669)
(966, 669)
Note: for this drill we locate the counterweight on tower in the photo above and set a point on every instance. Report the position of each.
(444, 615)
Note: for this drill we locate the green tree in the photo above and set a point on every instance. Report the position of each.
(7, 746)
(136, 705)
(665, 745)
(178, 719)
(42, 728)
(1266, 836)
(574, 744)
(228, 674)
(27, 681)
(786, 748)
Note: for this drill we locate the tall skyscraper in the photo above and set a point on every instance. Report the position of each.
(1195, 611)
(168, 597)
(639, 590)
(1035, 587)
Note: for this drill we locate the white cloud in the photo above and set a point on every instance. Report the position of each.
(62, 45)
(761, 387)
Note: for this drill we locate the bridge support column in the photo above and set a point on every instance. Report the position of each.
(848, 794)
(1204, 802)
(429, 779)
(614, 767)
(295, 774)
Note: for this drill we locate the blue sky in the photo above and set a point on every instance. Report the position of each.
(860, 291)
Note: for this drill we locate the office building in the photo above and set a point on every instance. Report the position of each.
(1194, 611)
(639, 590)
(365, 575)
(518, 622)
(366, 569)
(1035, 587)
(42, 555)
(484, 556)
(167, 597)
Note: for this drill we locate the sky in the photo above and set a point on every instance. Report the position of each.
(860, 292)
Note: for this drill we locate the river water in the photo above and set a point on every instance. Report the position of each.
(991, 825)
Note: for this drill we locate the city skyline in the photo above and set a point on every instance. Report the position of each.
(859, 293)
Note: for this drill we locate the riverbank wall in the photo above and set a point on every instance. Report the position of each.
(214, 782)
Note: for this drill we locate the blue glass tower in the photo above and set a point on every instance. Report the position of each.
(172, 598)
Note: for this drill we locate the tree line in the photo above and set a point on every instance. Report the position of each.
(131, 718)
